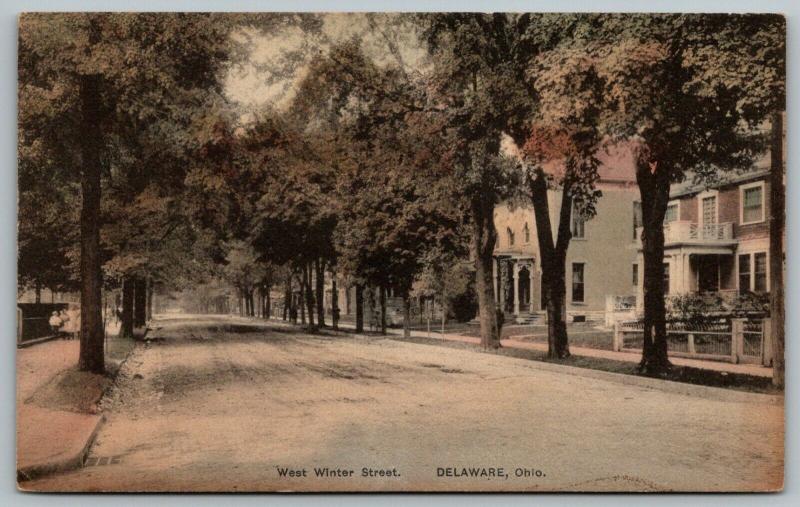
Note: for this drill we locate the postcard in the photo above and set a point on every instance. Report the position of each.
(401, 252)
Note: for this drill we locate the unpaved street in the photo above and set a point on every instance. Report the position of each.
(220, 404)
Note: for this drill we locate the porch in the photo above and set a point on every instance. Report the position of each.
(517, 285)
(704, 268)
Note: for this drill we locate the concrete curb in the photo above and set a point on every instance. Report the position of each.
(670, 386)
(26, 344)
(65, 464)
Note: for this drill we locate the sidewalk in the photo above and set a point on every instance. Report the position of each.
(56, 423)
(630, 357)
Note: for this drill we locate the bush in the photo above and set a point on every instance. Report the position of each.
(693, 307)
(464, 306)
(748, 303)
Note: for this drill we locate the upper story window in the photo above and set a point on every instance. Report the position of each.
(578, 224)
(752, 203)
(526, 233)
(510, 234)
(673, 210)
(708, 208)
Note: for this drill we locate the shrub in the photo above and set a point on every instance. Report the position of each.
(693, 307)
(748, 303)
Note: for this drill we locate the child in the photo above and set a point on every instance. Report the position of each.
(55, 323)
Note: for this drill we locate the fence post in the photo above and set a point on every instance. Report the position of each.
(617, 343)
(19, 325)
(766, 342)
(737, 339)
(690, 343)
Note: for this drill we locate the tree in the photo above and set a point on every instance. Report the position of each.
(87, 92)
(679, 129)
(561, 148)
(480, 62)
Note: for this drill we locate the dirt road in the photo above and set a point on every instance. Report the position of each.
(223, 405)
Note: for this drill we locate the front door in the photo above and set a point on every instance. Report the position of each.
(524, 288)
(708, 273)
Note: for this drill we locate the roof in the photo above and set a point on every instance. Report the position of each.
(690, 185)
(617, 165)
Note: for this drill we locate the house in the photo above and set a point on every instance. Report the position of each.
(599, 259)
(716, 237)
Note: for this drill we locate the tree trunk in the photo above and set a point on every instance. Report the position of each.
(557, 339)
(334, 303)
(139, 302)
(149, 312)
(287, 297)
(776, 256)
(359, 308)
(406, 315)
(38, 293)
(553, 258)
(482, 245)
(319, 277)
(268, 303)
(654, 190)
(309, 295)
(382, 297)
(126, 326)
(91, 356)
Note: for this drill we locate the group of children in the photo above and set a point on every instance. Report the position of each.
(66, 323)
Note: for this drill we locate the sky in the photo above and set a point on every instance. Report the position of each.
(277, 61)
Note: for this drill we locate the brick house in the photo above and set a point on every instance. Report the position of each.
(716, 237)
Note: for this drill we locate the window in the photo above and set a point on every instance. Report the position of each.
(709, 210)
(527, 233)
(760, 272)
(577, 227)
(510, 236)
(635, 277)
(637, 217)
(753, 272)
(752, 197)
(744, 272)
(666, 278)
(672, 213)
(577, 282)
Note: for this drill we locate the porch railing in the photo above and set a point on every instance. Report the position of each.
(682, 230)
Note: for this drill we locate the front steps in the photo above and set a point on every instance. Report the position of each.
(528, 318)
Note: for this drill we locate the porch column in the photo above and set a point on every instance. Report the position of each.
(532, 307)
(516, 288)
(495, 286)
(687, 273)
(501, 293)
(640, 284)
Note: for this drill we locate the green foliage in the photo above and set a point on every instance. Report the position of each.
(749, 303)
(693, 307)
